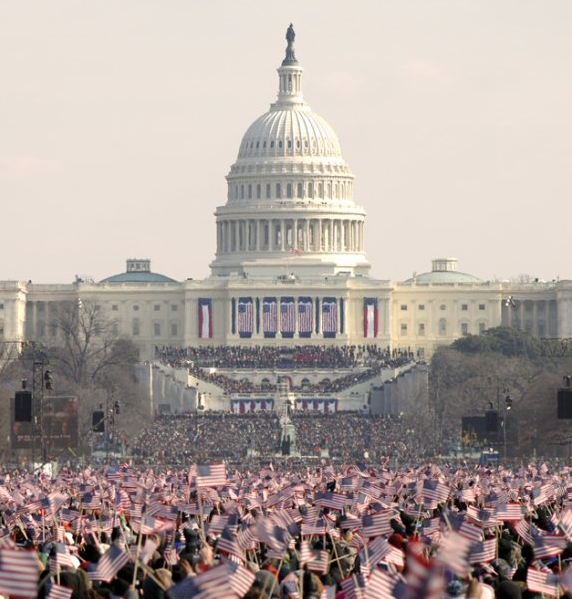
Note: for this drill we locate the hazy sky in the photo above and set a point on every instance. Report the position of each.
(119, 120)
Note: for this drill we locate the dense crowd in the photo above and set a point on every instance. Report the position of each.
(277, 357)
(367, 361)
(178, 439)
(347, 435)
(356, 531)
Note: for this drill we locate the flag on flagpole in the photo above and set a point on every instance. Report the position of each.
(18, 573)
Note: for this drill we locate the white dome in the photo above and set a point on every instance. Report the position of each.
(295, 132)
(290, 194)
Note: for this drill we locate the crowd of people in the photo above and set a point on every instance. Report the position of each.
(347, 434)
(178, 439)
(353, 531)
(366, 362)
(274, 357)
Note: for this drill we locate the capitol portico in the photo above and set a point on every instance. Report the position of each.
(290, 266)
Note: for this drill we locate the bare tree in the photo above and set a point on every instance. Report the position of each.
(90, 344)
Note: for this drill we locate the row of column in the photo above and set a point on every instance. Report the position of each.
(283, 235)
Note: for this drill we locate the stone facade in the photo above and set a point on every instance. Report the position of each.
(290, 266)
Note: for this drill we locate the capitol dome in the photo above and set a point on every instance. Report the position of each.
(290, 193)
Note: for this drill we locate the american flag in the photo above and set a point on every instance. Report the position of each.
(269, 315)
(305, 316)
(509, 511)
(240, 579)
(332, 500)
(245, 316)
(380, 585)
(483, 552)
(542, 582)
(548, 545)
(57, 591)
(211, 475)
(109, 564)
(316, 560)
(565, 524)
(60, 556)
(18, 573)
(433, 490)
(454, 552)
(353, 586)
(329, 316)
(375, 525)
(287, 315)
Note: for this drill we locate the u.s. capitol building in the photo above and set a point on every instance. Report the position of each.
(290, 266)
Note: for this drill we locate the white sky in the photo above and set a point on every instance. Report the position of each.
(119, 120)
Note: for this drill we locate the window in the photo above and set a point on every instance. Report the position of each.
(1, 305)
(421, 329)
(114, 328)
(174, 307)
(300, 190)
(136, 307)
(442, 326)
(481, 306)
(464, 307)
(135, 328)
(157, 329)
(442, 307)
(258, 191)
(1, 327)
(174, 330)
(541, 329)
(278, 190)
(464, 328)
(289, 190)
(267, 190)
(422, 306)
(403, 329)
(271, 144)
(115, 307)
(481, 328)
(250, 191)
(403, 307)
(157, 307)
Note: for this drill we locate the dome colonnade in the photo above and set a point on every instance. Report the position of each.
(290, 191)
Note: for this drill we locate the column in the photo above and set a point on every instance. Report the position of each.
(295, 233)
(306, 245)
(282, 234)
(319, 319)
(234, 246)
(321, 238)
(258, 225)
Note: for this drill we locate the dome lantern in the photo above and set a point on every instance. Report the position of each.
(289, 77)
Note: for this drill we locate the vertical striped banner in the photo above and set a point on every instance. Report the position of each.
(287, 311)
(305, 320)
(205, 318)
(269, 317)
(329, 317)
(370, 316)
(245, 317)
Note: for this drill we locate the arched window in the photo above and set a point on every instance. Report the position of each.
(300, 190)
(250, 191)
(320, 190)
(258, 191)
(268, 190)
(242, 192)
(310, 190)
(135, 327)
(442, 326)
(278, 191)
(289, 190)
